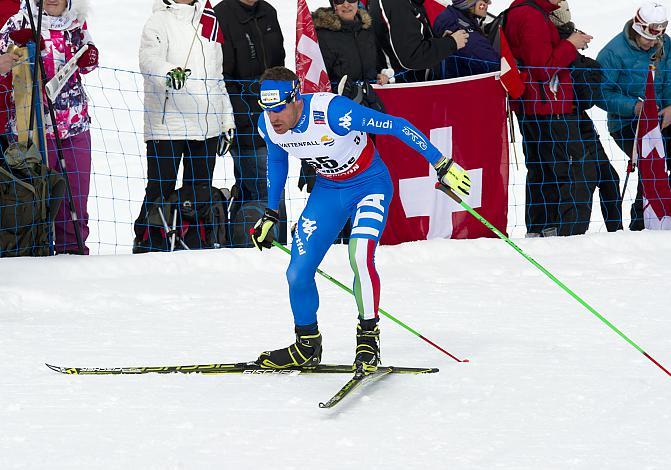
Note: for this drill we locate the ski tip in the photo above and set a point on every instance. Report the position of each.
(414, 370)
(54, 368)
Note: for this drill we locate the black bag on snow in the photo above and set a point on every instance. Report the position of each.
(30, 196)
(192, 217)
(202, 217)
(244, 215)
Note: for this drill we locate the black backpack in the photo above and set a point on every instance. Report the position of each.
(202, 217)
(243, 216)
(30, 196)
(191, 218)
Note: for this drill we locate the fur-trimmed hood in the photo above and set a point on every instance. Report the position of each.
(326, 18)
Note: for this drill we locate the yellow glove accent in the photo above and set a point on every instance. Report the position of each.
(262, 233)
(452, 175)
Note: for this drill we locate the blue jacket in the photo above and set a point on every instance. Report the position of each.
(625, 68)
(477, 57)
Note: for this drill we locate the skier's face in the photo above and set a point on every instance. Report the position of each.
(286, 119)
(55, 7)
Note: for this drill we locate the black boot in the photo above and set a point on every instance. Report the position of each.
(367, 346)
(305, 352)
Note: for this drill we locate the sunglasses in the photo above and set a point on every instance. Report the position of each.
(340, 2)
(655, 29)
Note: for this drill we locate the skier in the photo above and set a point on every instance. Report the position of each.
(330, 132)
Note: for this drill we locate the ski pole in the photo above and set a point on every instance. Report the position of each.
(591, 309)
(386, 314)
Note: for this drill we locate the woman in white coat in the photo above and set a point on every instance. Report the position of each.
(188, 116)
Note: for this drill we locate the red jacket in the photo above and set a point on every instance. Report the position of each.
(535, 42)
(8, 8)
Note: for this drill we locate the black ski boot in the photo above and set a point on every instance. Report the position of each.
(367, 346)
(306, 352)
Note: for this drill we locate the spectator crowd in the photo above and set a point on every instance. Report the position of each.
(200, 100)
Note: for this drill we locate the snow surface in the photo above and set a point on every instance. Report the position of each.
(549, 386)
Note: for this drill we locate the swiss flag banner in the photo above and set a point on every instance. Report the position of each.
(476, 140)
(651, 163)
(511, 79)
(310, 66)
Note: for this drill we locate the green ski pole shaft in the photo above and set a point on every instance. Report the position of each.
(386, 314)
(566, 289)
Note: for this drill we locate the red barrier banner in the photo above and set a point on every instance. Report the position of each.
(466, 119)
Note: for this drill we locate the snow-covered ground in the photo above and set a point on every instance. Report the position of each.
(549, 386)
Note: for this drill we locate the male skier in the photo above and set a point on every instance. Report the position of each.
(330, 132)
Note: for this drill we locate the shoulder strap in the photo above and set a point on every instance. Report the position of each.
(529, 4)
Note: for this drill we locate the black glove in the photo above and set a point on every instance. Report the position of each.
(307, 177)
(176, 78)
(225, 142)
(350, 89)
(262, 233)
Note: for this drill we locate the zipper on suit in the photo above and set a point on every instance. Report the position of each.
(263, 48)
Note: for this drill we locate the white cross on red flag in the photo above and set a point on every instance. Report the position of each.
(651, 163)
(310, 66)
(211, 29)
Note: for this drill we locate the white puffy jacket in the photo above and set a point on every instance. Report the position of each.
(201, 109)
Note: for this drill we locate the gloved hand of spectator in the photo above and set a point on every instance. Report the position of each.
(262, 233)
(452, 175)
(350, 89)
(176, 78)
(21, 37)
(225, 142)
(88, 58)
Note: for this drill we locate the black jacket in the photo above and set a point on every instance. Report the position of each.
(348, 48)
(404, 35)
(253, 42)
(586, 74)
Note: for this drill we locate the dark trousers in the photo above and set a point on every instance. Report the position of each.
(606, 178)
(163, 159)
(250, 167)
(558, 192)
(625, 138)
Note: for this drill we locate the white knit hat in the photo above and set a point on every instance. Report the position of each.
(651, 20)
